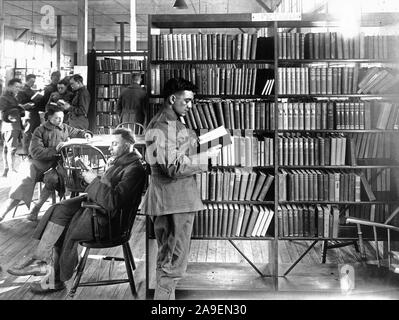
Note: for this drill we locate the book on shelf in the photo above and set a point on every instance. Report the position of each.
(215, 136)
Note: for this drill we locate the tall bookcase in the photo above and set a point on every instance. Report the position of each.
(284, 102)
(109, 74)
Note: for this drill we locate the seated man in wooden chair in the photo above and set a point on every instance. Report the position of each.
(66, 223)
(42, 166)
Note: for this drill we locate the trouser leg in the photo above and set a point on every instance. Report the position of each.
(47, 242)
(26, 138)
(173, 233)
(44, 195)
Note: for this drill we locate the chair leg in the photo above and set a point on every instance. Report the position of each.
(79, 272)
(324, 253)
(131, 257)
(129, 269)
(356, 246)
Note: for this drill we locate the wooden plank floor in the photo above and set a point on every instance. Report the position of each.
(216, 269)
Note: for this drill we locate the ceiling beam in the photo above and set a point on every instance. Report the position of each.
(264, 6)
(21, 34)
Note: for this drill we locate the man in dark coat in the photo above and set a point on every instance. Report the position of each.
(66, 223)
(43, 152)
(79, 107)
(131, 102)
(172, 197)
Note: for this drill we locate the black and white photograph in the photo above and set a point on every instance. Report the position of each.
(199, 156)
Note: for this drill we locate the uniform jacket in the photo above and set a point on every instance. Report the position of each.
(120, 187)
(79, 109)
(171, 152)
(24, 96)
(9, 101)
(43, 157)
(131, 104)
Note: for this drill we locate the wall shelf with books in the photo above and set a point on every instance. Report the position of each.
(321, 108)
(109, 73)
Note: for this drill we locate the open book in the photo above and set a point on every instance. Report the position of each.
(38, 95)
(216, 136)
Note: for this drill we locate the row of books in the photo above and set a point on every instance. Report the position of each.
(324, 115)
(107, 119)
(212, 46)
(259, 115)
(246, 151)
(112, 64)
(375, 212)
(222, 220)
(240, 184)
(380, 181)
(112, 91)
(372, 145)
(308, 221)
(232, 114)
(334, 45)
(378, 80)
(106, 105)
(237, 79)
(317, 185)
(318, 151)
(318, 80)
(114, 78)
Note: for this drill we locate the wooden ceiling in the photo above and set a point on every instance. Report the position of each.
(104, 14)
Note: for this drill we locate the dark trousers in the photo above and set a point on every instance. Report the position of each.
(173, 234)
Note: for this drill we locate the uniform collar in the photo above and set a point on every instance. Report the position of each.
(48, 125)
(171, 115)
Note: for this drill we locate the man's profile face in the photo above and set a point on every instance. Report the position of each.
(56, 118)
(183, 102)
(61, 88)
(75, 85)
(118, 146)
(16, 87)
(31, 82)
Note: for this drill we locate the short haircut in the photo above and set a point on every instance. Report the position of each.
(64, 81)
(13, 81)
(136, 77)
(77, 78)
(175, 85)
(56, 74)
(126, 134)
(30, 76)
(51, 109)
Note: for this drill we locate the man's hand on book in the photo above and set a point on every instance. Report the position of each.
(214, 151)
(28, 105)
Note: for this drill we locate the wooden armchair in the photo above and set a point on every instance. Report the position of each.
(385, 226)
(137, 128)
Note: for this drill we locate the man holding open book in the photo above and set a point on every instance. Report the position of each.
(172, 197)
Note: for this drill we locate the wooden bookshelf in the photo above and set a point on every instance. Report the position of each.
(109, 74)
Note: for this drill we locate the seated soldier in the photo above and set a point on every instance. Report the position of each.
(43, 152)
(66, 223)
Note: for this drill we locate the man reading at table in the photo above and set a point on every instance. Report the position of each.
(42, 166)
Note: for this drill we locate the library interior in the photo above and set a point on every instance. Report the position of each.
(199, 149)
